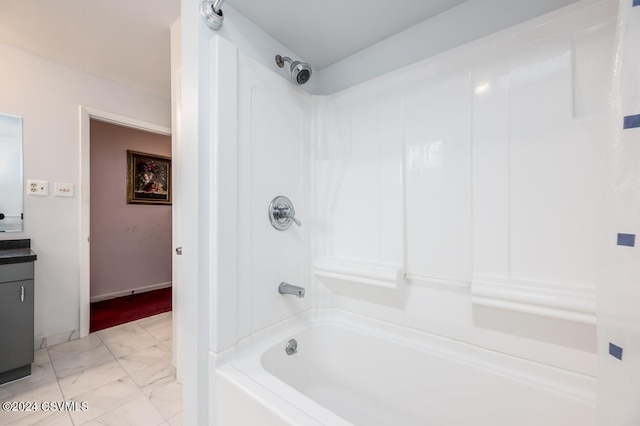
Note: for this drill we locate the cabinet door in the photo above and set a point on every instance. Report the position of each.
(16, 324)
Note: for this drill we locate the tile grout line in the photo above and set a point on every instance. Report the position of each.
(64, 398)
(157, 343)
(165, 420)
(127, 375)
(98, 365)
(117, 359)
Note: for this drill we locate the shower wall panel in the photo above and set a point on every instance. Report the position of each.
(260, 128)
(273, 137)
(437, 141)
(359, 180)
(474, 171)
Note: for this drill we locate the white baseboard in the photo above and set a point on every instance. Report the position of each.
(130, 291)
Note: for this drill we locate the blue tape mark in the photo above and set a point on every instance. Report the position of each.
(627, 240)
(615, 350)
(636, 2)
(632, 121)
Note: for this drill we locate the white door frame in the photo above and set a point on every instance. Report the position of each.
(86, 114)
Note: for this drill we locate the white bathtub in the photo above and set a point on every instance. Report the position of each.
(351, 370)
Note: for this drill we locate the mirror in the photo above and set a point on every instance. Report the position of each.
(10, 173)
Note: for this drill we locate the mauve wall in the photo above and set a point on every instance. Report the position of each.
(130, 243)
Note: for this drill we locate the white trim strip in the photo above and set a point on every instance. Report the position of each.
(535, 310)
(390, 285)
(439, 283)
(121, 120)
(560, 301)
(379, 275)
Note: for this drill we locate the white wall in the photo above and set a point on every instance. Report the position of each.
(48, 96)
(618, 290)
(473, 172)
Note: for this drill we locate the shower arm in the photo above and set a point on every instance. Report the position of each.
(217, 4)
(280, 60)
(211, 12)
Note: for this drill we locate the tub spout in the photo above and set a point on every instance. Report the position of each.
(285, 288)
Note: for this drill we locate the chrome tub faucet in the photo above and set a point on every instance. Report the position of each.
(285, 288)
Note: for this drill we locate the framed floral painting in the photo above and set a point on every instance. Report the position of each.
(148, 178)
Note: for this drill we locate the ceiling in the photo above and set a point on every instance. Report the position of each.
(128, 41)
(324, 32)
(122, 40)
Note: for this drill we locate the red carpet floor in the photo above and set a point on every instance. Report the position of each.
(108, 313)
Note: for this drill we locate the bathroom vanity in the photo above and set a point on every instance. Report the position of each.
(16, 309)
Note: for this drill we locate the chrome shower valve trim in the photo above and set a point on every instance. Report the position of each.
(282, 213)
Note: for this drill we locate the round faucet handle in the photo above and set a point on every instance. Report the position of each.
(282, 213)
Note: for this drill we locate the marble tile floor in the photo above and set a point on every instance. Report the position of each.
(122, 374)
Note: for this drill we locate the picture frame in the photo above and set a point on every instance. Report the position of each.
(148, 178)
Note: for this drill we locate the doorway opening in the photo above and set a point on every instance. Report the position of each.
(126, 248)
(130, 224)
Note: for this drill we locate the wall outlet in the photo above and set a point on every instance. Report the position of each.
(37, 187)
(61, 189)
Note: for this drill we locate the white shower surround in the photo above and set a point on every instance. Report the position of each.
(423, 204)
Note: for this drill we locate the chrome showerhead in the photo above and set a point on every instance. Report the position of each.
(300, 71)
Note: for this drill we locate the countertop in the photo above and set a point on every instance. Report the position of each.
(16, 251)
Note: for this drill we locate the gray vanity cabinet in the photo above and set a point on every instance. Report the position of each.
(16, 320)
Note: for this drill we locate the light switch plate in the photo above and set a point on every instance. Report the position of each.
(37, 187)
(61, 189)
